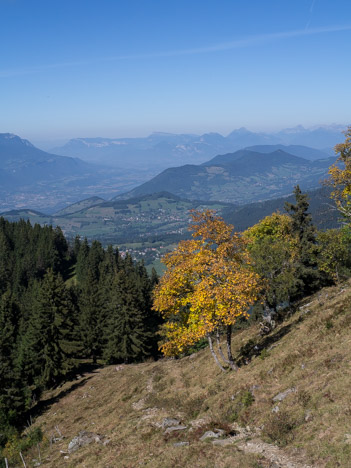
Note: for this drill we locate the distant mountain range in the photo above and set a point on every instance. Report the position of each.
(162, 150)
(30, 177)
(21, 163)
(241, 177)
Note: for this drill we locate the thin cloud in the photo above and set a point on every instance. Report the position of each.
(249, 41)
(311, 13)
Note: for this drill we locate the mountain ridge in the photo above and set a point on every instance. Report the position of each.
(168, 149)
(241, 177)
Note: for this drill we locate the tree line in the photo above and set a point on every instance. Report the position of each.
(62, 303)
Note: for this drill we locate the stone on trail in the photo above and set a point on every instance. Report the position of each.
(281, 396)
(85, 438)
(215, 434)
(167, 422)
(175, 428)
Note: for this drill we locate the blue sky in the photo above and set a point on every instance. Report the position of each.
(118, 68)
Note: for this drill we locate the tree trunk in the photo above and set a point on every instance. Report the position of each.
(214, 355)
(232, 364)
(220, 348)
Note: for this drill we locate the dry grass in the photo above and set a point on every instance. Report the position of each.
(311, 351)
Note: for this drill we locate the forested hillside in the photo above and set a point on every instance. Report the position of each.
(61, 304)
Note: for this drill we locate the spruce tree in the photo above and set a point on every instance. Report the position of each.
(13, 391)
(5, 260)
(307, 273)
(82, 261)
(91, 307)
(128, 337)
(41, 358)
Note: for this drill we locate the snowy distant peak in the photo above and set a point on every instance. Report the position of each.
(332, 127)
(293, 130)
(162, 134)
(5, 137)
(96, 142)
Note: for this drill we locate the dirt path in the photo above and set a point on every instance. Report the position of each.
(272, 453)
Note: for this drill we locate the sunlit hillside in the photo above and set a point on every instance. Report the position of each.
(288, 405)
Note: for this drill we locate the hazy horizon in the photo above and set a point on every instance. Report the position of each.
(47, 144)
(127, 69)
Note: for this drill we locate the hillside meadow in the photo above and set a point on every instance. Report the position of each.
(289, 404)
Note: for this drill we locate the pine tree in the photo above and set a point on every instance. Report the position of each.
(128, 337)
(41, 358)
(13, 392)
(91, 307)
(82, 261)
(5, 259)
(307, 273)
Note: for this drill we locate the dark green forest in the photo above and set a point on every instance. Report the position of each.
(62, 305)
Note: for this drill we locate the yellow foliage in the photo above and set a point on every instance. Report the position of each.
(341, 177)
(277, 226)
(208, 283)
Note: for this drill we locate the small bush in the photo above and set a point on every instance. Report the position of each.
(279, 428)
(247, 399)
(303, 397)
(264, 354)
(17, 444)
(193, 406)
(238, 408)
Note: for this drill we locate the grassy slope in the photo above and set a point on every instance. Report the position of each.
(310, 351)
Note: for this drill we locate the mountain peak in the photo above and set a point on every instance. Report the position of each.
(14, 139)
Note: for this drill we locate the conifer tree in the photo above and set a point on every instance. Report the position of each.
(13, 392)
(91, 324)
(82, 261)
(307, 274)
(128, 338)
(41, 358)
(5, 259)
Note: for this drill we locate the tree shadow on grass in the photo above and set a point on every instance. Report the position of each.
(254, 348)
(78, 373)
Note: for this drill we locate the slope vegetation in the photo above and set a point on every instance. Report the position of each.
(289, 404)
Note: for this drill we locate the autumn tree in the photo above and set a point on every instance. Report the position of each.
(334, 259)
(208, 285)
(340, 177)
(273, 249)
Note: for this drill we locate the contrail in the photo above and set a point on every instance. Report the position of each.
(249, 41)
(311, 12)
